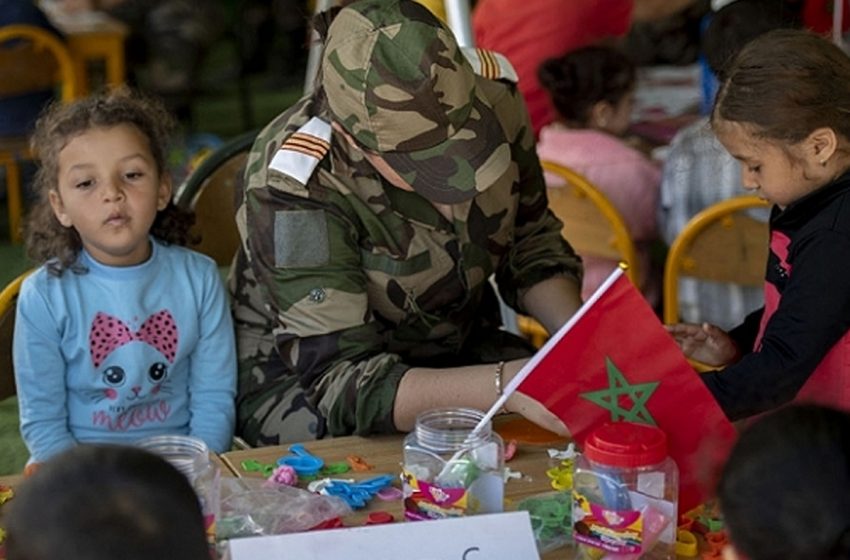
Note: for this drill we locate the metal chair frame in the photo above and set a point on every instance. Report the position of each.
(722, 243)
(209, 191)
(8, 301)
(14, 149)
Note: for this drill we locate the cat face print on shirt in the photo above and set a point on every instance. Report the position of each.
(133, 369)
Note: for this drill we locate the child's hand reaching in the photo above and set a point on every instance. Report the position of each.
(705, 343)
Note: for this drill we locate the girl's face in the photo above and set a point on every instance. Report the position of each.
(622, 116)
(109, 190)
(779, 174)
(613, 118)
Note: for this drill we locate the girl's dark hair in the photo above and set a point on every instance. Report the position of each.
(738, 23)
(787, 83)
(46, 239)
(583, 77)
(785, 489)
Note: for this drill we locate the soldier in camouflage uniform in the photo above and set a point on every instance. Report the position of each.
(374, 212)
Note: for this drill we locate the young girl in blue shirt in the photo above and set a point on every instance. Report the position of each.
(120, 333)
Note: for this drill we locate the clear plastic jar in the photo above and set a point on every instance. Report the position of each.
(449, 473)
(625, 494)
(191, 456)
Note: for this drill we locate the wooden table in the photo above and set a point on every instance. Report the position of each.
(93, 38)
(385, 454)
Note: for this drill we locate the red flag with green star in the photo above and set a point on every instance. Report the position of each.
(615, 361)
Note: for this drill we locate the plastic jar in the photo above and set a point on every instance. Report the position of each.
(448, 472)
(191, 456)
(625, 494)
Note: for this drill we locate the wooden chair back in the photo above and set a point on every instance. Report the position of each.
(592, 224)
(723, 243)
(32, 59)
(211, 191)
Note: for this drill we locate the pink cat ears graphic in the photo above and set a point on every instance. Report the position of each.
(108, 333)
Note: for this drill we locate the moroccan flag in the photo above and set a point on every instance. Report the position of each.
(615, 361)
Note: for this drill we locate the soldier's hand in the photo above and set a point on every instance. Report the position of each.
(530, 408)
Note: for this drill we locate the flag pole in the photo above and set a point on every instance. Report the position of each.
(540, 354)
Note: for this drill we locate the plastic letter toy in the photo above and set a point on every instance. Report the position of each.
(358, 463)
(304, 463)
(379, 518)
(686, 543)
(358, 493)
(6, 494)
(252, 465)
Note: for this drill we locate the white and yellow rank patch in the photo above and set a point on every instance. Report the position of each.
(489, 64)
(301, 152)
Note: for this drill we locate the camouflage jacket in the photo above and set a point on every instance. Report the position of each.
(347, 281)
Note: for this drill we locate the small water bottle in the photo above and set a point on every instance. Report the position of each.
(625, 495)
(447, 471)
(191, 456)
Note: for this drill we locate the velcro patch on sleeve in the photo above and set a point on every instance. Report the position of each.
(301, 238)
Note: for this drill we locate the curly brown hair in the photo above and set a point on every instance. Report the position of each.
(48, 240)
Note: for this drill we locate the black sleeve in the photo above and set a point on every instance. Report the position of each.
(745, 334)
(813, 314)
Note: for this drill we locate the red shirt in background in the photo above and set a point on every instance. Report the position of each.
(818, 14)
(531, 31)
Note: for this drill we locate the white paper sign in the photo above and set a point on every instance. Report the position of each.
(499, 536)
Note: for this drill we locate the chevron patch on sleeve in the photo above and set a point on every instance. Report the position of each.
(299, 154)
(490, 64)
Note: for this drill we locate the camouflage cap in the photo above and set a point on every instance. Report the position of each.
(397, 81)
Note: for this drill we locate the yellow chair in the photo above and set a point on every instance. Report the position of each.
(31, 59)
(723, 243)
(211, 191)
(437, 8)
(592, 225)
(8, 301)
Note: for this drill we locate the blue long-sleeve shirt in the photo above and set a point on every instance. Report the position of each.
(120, 353)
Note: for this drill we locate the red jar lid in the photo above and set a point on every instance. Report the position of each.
(626, 444)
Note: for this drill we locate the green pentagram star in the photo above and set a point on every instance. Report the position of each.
(618, 385)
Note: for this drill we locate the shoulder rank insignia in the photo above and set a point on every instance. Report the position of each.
(301, 152)
(489, 64)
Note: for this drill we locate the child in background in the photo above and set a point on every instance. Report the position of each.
(120, 334)
(101, 502)
(785, 489)
(699, 172)
(592, 89)
(783, 111)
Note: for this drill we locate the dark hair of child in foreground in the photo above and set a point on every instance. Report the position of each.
(102, 502)
(785, 490)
